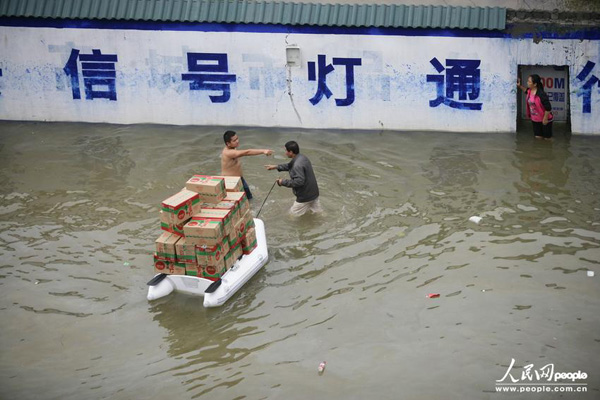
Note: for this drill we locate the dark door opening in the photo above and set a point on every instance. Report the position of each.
(556, 85)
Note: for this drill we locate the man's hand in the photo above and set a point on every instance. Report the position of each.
(270, 167)
(279, 181)
(268, 152)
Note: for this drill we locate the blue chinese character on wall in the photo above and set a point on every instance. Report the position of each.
(321, 77)
(98, 71)
(586, 89)
(462, 77)
(209, 71)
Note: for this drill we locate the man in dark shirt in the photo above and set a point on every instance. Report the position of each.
(302, 180)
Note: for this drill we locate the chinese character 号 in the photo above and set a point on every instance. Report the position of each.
(97, 69)
(215, 76)
(321, 78)
(462, 76)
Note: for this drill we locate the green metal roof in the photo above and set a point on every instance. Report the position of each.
(262, 12)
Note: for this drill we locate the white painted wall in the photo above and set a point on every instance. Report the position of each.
(391, 86)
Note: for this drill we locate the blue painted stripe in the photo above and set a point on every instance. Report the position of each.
(584, 34)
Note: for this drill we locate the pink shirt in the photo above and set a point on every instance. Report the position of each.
(535, 113)
(535, 109)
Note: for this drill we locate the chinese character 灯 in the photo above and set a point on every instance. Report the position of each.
(462, 76)
(586, 89)
(99, 74)
(215, 76)
(321, 78)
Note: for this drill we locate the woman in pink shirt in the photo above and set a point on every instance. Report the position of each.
(539, 109)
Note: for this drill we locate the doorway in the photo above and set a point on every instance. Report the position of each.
(556, 84)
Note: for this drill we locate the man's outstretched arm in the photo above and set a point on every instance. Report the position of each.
(233, 153)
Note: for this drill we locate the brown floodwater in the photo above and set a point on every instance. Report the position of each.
(79, 215)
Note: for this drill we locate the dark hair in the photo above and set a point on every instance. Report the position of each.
(228, 135)
(293, 147)
(535, 78)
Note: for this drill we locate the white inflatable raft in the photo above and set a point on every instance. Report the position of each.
(220, 291)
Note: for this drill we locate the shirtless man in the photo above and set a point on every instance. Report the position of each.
(231, 164)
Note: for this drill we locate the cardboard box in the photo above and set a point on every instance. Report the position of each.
(210, 189)
(249, 241)
(185, 252)
(181, 206)
(167, 225)
(217, 214)
(234, 253)
(165, 246)
(212, 255)
(223, 205)
(201, 231)
(241, 201)
(232, 183)
(212, 272)
(168, 267)
(242, 226)
(193, 270)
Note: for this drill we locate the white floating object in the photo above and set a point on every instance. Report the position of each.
(590, 273)
(475, 219)
(231, 281)
(322, 367)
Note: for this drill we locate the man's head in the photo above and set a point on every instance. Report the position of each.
(231, 139)
(292, 149)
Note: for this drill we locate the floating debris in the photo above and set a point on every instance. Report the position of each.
(322, 367)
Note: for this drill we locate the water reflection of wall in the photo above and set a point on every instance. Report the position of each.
(103, 157)
(542, 164)
(455, 176)
(210, 332)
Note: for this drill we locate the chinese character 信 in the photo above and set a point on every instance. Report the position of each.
(205, 75)
(462, 76)
(98, 71)
(586, 89)
(321, 78)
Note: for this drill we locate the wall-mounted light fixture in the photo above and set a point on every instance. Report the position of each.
(292, 55)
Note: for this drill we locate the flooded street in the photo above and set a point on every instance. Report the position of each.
(79, 210)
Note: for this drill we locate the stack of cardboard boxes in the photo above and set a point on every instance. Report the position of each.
(207, 226)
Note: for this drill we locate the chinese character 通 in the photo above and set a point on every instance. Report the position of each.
(321, 78)
(215, 76)
(462, 76)
(97, 69)
(586, 89)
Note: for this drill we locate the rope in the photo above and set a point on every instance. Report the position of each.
(261, 207)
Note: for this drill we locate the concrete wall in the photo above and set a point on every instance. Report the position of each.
(396, 84)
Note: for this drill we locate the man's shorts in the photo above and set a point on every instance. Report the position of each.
(299, 209)
(247, 189)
